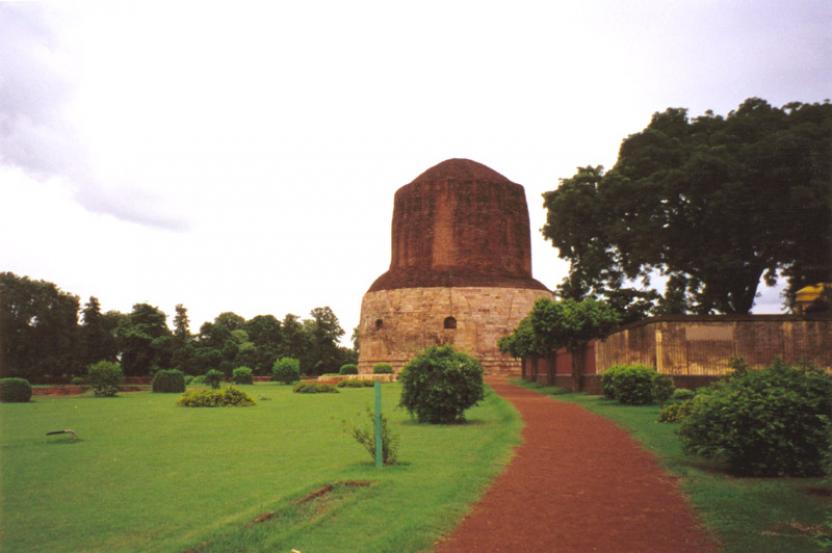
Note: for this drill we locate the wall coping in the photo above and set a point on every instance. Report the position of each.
(724, 319)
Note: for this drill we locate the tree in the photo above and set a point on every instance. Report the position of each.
(265, 332)
(97, 341)
(323, 332)
(144, 339)
(566, 324)
(38, 329)
(181, 324)
(714, 204)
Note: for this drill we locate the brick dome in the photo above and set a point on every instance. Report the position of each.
(460, 223)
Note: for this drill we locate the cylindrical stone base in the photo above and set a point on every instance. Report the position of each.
(397, 324)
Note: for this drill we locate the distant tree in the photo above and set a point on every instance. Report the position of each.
(324, 331)
(39, 336)
(181, 324)
(265, 332)
(144, 340)
(294, 338)
(714, 204)
(356, 342)
(97, 339)
(230, 320)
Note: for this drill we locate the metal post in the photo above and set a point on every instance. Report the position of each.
(379, 458)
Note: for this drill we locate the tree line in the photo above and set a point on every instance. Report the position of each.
(46, 335)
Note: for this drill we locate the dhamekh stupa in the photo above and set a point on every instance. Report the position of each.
(460, 270)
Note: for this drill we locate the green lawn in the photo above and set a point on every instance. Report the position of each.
(760, 515)
(150, 476)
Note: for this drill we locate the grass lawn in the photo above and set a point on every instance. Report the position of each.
(760, 515)
(150, 476)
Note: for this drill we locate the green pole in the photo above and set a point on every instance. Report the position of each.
(379, 459)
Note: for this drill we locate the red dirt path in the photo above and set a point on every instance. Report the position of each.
(577, 484)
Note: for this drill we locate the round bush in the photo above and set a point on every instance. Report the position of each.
(105, 377)
(213, 378)
(169, 381)
(243, 375)
(440, 384)
(15, 390)
(286, 370)
(629, 384)
(775, 421)
(349, 368)
(382, 368)
(682, 394)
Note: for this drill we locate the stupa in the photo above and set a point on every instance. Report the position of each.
(460, 269)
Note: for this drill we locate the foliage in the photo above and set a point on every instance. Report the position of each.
(15, 390)
(214, 378)
(189, 379)
(356, 383)
(144, 340)
(97, 340)
(105, 377)
(349, 368)
(227, 397)
(682, 394)
(389, 440)
(314, 388)
(522, 342)
(769, 422)
(759, 176)
(662, 388)
(169, 381)
(78, 381)
(39, 326)
(286, 370)
(243, 375)
(440, 384)
(382, 368)
(675, 411)
(629, 384)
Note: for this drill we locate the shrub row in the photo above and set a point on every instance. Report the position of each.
(228, 397)
(356, 383)
(629, 384)
(314, 388)
(349, 368)
(382, 368)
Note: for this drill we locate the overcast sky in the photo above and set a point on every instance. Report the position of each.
(243, 156)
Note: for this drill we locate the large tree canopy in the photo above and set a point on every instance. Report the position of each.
(713, 203)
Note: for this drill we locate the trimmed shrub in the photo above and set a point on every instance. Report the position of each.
(348, 368)
(389, 441)
(169, 381)
(629, 384)
(228, 397)
(356, 383)
(314, 388)
(213, 378)
(198, 380)
(286, 370)
(243, 375)
(770, 422)
(382, 368)
(440, 384)
(15, 390)
(77, 381)
(189, 379)
(104, 377)
(662, 388)
(608, 381)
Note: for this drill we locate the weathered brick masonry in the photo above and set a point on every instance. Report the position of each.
(460, 269)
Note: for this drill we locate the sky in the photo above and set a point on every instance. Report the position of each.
(243, 156)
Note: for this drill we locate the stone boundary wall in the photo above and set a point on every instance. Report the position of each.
(694, 350)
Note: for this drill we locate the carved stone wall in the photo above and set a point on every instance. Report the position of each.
(397, 324)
